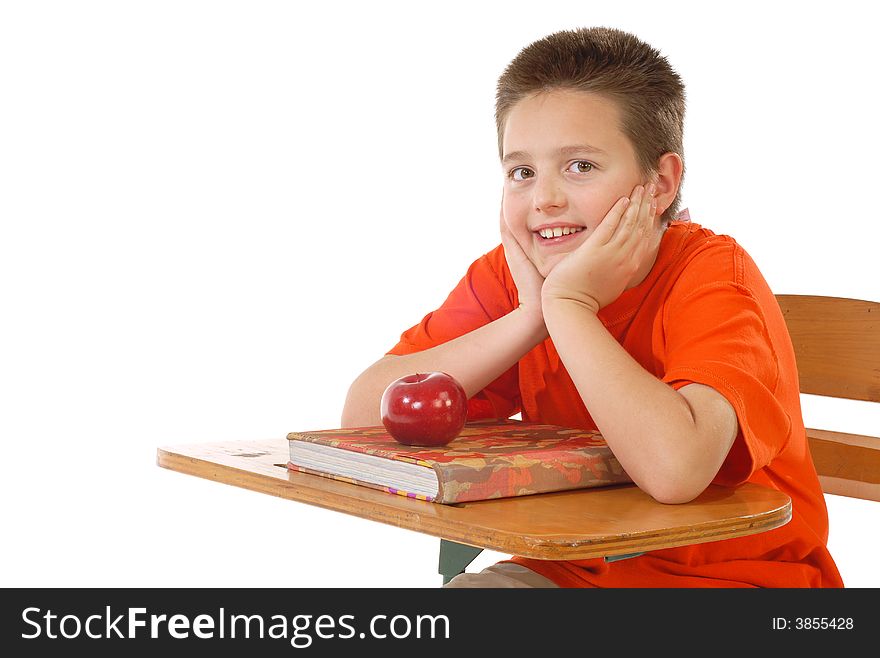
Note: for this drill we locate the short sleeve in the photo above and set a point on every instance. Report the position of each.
(717, 335)
(483, 295)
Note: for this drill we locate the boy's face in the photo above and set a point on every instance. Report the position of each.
(565, 164)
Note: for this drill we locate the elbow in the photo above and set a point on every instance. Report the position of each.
(356, 412)
(675, 478)
(362, 402)
(351, 416)
(348, 419)
(675, 488)
(674, 495)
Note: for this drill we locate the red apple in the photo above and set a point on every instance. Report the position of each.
(426, 409)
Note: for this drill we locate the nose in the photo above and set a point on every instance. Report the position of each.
(548, 194)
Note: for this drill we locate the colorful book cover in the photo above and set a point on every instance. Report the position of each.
(486, 460)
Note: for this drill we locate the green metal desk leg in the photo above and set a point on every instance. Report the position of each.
(454, 558)
(615, 558)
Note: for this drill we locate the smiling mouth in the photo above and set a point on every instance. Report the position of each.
(558, 232)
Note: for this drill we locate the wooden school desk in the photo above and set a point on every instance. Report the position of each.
(613, 522)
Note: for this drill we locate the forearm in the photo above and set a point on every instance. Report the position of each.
(474, 359)
(647, 424)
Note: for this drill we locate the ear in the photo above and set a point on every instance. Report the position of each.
(667, 179)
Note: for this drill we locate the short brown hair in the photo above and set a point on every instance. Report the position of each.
(616, 65)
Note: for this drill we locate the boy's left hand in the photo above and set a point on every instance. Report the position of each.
(599, 270)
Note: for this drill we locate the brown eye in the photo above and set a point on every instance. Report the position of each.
(582, 166)
(520, 173)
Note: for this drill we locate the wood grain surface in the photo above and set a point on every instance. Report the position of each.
(836, 343)
(837, 346)
(569, 525)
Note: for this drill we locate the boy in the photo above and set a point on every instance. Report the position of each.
(599, 310)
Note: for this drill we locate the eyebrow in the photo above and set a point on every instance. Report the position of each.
(565, 150)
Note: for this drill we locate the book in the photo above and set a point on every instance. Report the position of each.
(495, 459)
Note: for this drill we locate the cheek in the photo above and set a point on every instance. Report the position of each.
(515, 217)
(594, 209)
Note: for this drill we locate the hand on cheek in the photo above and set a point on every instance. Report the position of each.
(600, 269)
(525, 275)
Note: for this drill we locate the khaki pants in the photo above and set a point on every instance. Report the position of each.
(503, 574)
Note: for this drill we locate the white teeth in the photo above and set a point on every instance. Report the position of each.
(558, 231)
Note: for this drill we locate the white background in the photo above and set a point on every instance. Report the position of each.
(216, 214)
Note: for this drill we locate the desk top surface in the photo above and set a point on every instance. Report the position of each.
(567, 525)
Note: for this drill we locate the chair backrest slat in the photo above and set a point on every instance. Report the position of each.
(836, 344)
(837, 347)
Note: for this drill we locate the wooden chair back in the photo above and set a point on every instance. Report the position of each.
(837, 347)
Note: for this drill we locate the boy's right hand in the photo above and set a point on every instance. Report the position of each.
(525, 275)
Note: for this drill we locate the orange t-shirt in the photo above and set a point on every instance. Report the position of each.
(704, 314)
